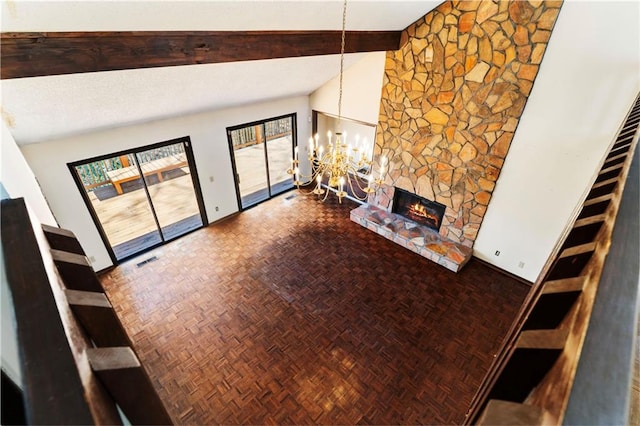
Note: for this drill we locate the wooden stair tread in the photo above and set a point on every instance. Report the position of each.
(115, 358)
(87, 298)
(605, 183)
(66, 257)
(76, 271)
(58, 231)
(600, 199)
(121, 373)
(612, 168)
(623, 138)
(590, 220)
(617, 157)
(62, 239)
(565, 285)
(542, 339)
(621, 147)
(625, 142)
(625, 135)
(96, 315)
(580, 249)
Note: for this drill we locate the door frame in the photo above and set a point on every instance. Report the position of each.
(186, 140)
(294, 144)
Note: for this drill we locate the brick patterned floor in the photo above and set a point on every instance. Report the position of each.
(289, 313)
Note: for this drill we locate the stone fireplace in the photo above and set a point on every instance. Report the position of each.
(452, 97)
(420, 210)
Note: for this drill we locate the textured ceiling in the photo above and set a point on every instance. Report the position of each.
(46, 108)
(43, 108)
(209, 15)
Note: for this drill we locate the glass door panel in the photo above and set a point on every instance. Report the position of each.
(279, 136)
(261, 153)
(251, 166)
(119, 199)
(169, 182)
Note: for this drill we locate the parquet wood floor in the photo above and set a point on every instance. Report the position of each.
(289, 313)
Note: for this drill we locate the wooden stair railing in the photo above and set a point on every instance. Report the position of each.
(77, 362)
(531, 378)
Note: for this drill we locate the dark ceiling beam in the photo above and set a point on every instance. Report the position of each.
(40, 54)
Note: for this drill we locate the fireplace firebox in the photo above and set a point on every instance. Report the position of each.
(418, 209)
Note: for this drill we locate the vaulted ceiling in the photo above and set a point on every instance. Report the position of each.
(38, 109)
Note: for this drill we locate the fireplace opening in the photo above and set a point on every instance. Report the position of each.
(418, 209)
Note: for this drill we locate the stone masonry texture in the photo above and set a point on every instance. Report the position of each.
(451, 100)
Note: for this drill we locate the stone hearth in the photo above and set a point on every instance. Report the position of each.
(420, 239)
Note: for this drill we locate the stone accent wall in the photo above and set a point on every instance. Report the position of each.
(451, 100)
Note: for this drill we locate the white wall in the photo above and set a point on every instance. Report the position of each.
(587, 81)
(210, 147)
(365, 133)
(361, 90)
(19, 182)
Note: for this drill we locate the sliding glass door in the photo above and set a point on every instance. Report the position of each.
(171, 191)
(121, 204)
(279, 150)
(142, 198)
(251, 164)
(261, 152)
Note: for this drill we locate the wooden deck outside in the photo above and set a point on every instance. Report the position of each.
(128, 216)
(251, 167)
(154, 167)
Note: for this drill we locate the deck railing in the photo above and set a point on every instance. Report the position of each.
(94, 174)
(248, 136)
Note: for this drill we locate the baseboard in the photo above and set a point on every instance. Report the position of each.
(502, 271)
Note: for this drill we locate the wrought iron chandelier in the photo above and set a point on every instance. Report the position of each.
(337, 167)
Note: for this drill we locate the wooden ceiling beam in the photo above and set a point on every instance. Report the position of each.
(40, 54)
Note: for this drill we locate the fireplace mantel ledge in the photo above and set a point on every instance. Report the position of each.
(420, 239)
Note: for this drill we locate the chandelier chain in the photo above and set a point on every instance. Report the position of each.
(338, 166)
(344, 26)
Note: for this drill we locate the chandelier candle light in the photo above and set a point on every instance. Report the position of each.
(340, 163)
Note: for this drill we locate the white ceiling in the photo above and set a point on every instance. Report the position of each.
(209, 15)
(38, 109)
